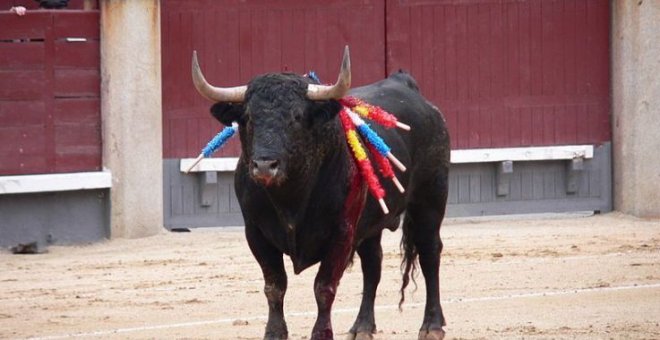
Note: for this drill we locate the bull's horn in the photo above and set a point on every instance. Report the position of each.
(212, 93)
(338, 90)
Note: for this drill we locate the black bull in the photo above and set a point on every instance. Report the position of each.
(301, 194)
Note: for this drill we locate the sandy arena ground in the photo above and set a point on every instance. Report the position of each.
(571, 277)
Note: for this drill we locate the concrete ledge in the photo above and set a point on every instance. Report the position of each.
(209, 164)
(540, 153)
(55, 182)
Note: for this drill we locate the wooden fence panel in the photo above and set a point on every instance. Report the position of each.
(50, 117)
(508, 73)
(237, 40)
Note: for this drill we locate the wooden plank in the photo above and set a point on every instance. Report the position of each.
(77, 24)
(498, 54)
(49, 84)
(398, 22)
(71, 162)
(25, 27)
(536, 47)
(79, 138)
(582, 57)
(548, 132)
(570, 46)
(23, 164)
(463, 188)
(21, 56)
(22, 85)
(524, 40)
(512, 54)
(552, 72)
(77, 110)
(22, 113)
(71, 83)
(77, 54)
(20, 140)
(483, 26)
(451, 74)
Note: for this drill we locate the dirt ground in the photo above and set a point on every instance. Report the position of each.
(567, 277)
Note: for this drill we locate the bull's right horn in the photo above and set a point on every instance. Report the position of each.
(339, 89)
(212, 93)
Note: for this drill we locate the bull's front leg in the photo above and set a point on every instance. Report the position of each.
(272, 266)
(335, 262)
(325, 288)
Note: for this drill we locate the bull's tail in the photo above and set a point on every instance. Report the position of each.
(409, 261)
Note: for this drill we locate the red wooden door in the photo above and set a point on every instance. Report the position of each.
(237, 40)
(508, 73)
(50, 119)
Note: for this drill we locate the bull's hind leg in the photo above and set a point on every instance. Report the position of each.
(272, 266)
(421, 228)
(371, 258)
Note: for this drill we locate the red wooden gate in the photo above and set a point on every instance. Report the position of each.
(506, 73)
(49, 92)
(237, 40)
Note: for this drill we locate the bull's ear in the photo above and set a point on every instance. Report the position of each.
(323, 111)
(227, 113)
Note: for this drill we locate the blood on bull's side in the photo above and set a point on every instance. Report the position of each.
(303, 192)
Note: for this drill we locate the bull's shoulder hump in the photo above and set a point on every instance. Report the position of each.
(399, 84)
(404, 78)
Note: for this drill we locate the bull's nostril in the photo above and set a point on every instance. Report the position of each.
(274, 165)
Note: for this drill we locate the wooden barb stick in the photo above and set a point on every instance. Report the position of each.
(403, 126)
(383, 206)
(398, 185)
(197, 160)
(396, 162)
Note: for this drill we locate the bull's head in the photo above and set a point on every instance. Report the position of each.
(283, 119)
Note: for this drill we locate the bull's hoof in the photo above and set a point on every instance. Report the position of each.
(431, 334)
(276, 336)
(359, 336)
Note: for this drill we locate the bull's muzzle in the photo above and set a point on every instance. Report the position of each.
(265, 171)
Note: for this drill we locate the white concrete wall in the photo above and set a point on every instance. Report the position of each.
(636, 106)
(131, 109)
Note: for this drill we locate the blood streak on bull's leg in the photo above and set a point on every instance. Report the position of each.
(335, 262)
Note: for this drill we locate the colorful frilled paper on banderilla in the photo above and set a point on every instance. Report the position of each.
(353, 110)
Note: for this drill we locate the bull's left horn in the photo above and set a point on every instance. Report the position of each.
(212, 93)
(338, 90)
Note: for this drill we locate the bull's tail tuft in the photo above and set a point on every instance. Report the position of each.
(409, 261)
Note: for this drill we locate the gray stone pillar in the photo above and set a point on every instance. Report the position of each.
(131, 107)
(636, 106)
